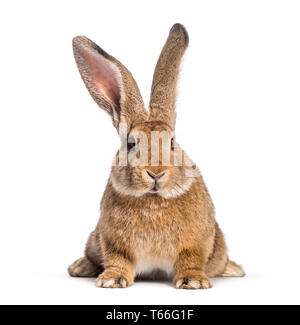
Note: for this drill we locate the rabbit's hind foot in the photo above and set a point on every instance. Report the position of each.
(84, 268)
(233, 270)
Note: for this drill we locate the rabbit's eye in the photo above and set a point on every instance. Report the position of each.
(172, 144)
(131, 143)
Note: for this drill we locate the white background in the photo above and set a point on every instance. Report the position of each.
(238, 118)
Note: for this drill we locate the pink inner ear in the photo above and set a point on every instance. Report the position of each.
(105, 77)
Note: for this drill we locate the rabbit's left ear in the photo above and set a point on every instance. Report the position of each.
(163, 92)
(110, 84)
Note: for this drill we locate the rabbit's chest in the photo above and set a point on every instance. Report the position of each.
(156, 235)
(155, 245)
(155, 250)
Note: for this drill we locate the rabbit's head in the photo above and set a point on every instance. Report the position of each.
(149, 161)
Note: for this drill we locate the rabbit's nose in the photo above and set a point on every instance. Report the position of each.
(154, 176)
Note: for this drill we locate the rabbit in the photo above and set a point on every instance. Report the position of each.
(156, 220)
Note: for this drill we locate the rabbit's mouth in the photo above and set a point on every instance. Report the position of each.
(155, 188)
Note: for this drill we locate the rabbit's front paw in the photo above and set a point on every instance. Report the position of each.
(107, 280)
(193, 283)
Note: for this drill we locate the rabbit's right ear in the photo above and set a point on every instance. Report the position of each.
(110, 84)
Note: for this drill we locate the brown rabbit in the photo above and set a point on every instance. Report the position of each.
(156, 218)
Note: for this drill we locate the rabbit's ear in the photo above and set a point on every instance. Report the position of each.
(163, 92)
(110, 84)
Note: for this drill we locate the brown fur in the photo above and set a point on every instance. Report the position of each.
(173, 229)
(163, 91)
